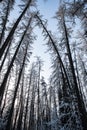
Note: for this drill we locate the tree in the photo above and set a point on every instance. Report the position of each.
(3, 85)
(26, 101)
(81, 105)
(5, 44)
(8, 126)
(7, 8)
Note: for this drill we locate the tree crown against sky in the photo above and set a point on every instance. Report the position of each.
(49, 34)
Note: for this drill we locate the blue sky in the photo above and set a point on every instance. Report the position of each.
(47, 9)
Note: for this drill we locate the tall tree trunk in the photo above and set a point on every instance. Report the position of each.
(4, 102)
(38, 94)
(3, 85)
(27, 102)
(4, 58)
(81, 105)
(19, 124)
(31, 118)
(15, 118)
(55, 49)
(5, 22)
(8, 126)
(4, 46)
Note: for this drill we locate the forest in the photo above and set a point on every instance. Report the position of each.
(27, 101)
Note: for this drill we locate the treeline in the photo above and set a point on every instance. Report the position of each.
(26, 101)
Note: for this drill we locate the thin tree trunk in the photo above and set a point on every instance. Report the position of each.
(8, 126)
(15, 118)
(26, 108)
(5, 22)
(4, 46)
(3, 85)
(38, 100)
(19, 124)
(4, 58)
(54, 48)
(4, 104)
(31, 118)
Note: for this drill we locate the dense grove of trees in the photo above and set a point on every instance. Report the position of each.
(27, 102)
